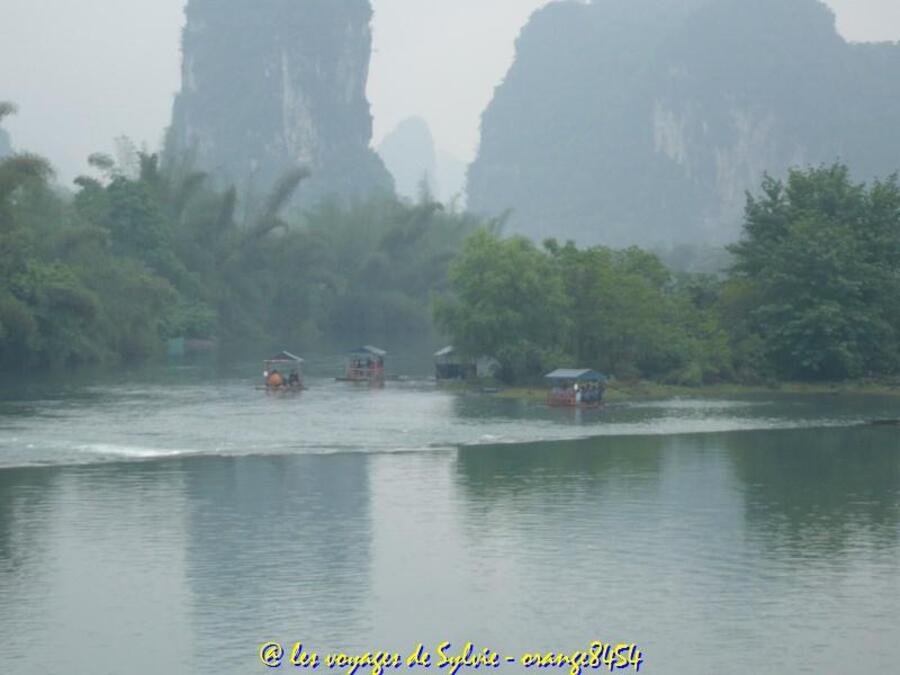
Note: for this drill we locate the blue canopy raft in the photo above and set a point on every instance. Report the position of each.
(283, 374)
(364, 365)
(575, 388)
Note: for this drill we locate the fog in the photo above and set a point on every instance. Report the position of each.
(636, 304)
(85, 73)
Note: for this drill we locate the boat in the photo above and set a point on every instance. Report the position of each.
(364, 365)
(450, 364)
(575, 388)
(283, 374)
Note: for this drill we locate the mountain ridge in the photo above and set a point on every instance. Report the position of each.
(646, 121)
(272, 85)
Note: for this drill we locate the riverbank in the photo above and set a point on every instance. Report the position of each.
(645, 390)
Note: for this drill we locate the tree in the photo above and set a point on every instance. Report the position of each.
(819, 258)
(509, 302)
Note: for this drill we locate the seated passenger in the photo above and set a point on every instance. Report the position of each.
(275, 379)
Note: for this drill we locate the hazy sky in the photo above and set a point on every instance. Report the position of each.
(85, 72)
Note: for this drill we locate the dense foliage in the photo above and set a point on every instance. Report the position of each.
(535, 309)
(815, 290)
(813, 294)
(141, 253)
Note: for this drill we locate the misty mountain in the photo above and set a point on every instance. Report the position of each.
(451, 177)
(273, 84)
(644, 121)
(409, 154)
(5, 143)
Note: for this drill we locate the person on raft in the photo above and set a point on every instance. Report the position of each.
(275, 380)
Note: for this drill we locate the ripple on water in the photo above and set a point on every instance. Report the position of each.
(147, 422)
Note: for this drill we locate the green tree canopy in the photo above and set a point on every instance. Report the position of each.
(819, 264)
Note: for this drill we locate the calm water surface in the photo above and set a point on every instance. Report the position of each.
(169, 525)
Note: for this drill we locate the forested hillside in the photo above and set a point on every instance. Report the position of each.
(143, 253)
(814, 294)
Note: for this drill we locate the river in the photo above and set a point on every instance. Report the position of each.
(171, 524)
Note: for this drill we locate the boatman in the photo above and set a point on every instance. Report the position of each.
(275, 380)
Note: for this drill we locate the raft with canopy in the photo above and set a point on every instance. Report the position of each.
(576, 388)
(364, 364)
(283, 372)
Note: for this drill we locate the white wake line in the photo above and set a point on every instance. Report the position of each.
(688, 427)
(637, 430)
(109, 453)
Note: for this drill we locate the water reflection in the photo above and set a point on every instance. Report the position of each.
(820, 492)
(278, 545)
(22, 494)
(161, 558)
(93, 563)
(706, 549)
(491, 471)
(703, 545)
(608, 537)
